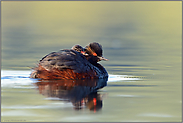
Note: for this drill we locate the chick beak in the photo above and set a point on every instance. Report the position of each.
(84, 53)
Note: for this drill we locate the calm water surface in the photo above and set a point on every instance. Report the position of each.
(147, 96)
(145, 87)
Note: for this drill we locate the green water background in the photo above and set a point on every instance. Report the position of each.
(140, 38)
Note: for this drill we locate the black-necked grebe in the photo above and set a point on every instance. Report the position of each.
(75, 63)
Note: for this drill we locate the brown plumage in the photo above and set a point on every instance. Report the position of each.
(55, 73)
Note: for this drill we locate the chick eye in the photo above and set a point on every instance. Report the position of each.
(94, 54)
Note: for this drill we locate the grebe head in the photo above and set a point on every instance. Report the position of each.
(80, 49)
(94, 50)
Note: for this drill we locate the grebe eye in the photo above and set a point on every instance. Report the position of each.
(94, 54)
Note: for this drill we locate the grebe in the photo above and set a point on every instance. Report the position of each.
(75, 63)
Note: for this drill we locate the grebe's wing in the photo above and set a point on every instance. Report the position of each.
(65, 59)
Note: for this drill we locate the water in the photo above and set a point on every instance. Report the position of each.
(125, 98)
(141, 39)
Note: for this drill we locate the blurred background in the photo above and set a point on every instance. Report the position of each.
(128, 31)
(140, 38)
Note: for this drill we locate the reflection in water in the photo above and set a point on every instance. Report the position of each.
(79, 92)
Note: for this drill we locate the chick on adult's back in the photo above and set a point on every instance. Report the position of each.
(75, 63)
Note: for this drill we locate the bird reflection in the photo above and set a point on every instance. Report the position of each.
(81, 93)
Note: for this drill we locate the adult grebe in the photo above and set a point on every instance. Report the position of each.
(75, 63)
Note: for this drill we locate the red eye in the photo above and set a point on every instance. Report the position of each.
(94, 54)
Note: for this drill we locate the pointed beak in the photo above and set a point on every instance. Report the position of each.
(102, 58)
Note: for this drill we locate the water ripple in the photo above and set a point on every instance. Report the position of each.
(18, 79)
